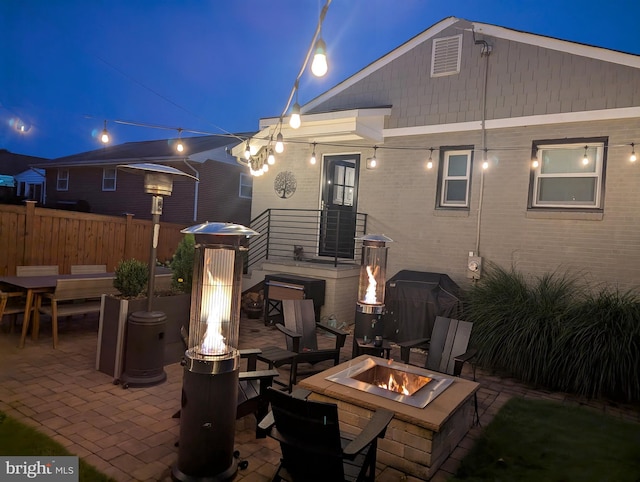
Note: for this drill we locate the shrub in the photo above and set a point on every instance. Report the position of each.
(182, 264)
(131, 278)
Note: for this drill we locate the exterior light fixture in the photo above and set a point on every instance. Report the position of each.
(319, 65)
(104, 137)
(633, 157)
(279, 143)
(294, 121)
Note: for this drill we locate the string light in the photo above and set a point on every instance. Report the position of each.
(430, 161)
(319, 65)
(372, 162)
(312, 161)
(534, 160)
(279, 143)
(633, 157)
(585, 159)
(104, 137)
(179, 145)
(271, 160)
(247, 151)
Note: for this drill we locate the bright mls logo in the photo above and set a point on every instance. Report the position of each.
(54, 469)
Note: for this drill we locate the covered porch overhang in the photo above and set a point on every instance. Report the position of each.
(363, 124)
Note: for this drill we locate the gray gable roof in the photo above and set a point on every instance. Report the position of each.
(12, 164)
(197, 149)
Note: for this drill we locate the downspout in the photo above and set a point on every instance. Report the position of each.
(196, 190)
(486, 50)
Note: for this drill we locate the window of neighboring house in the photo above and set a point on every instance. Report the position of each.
(454, 178)
(564, 178)
(62, 183)
(109, 179)
(445, 56)
(246, 186)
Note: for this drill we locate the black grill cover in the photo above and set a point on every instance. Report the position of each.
(413, 299)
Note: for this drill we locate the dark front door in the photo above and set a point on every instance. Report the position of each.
(339, 204)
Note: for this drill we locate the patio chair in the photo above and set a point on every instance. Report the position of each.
(11, 303)
(37, 270)
(313, 448)
(301, 337)
(88, 268)
(447, 349)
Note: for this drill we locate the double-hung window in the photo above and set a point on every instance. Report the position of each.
(109, 179)
(62, 182)
(246, 186)
(568, 174)
(455, 178)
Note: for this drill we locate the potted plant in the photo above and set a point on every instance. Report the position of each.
(172, 297)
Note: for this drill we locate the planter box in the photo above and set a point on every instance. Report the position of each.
(112, 330)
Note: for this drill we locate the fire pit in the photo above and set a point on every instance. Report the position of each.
(419, 438)
(395, 381)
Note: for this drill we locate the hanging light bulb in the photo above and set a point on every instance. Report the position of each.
(312, 161)
(535, 163)
(271, 160)
(430, 161)
(633, 157)
(279, 143)
(485, 163)
(104, 137)
(265, 167)
(319, 65)
(372, 162)
(294, 121)
(247, 152)
(179, 145)
(585, 159)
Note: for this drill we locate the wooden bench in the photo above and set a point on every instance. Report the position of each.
(79, 296)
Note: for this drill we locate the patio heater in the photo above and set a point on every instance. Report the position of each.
(211, 362)
(144, 351)
(371, 286)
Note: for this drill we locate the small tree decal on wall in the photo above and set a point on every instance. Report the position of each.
(285, 184)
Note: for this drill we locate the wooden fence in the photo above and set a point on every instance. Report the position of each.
(38, 236)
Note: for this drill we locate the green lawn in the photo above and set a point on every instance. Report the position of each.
(17, 438)
(545, 441)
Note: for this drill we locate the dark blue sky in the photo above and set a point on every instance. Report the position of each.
(220, 65)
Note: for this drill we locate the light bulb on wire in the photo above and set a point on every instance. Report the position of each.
(104, 137)
(279, 143)
(294, 121)
(319, 65)
(633, 157)
(179, 144)
(585, 159)
(430, 161)
(312, 161)
(247, 151)
(271, 160)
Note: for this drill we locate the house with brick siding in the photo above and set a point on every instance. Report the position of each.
(490, 145)
(91, 182)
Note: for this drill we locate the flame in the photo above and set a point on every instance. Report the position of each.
(370, 294)
(394, 386)
(219, 303)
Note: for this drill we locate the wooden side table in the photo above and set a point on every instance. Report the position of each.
(367, 348)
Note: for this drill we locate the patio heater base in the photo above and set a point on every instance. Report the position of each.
(367, 325)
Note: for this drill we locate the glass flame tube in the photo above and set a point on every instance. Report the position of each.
(373, 269)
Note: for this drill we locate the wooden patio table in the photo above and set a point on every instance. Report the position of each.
(33, 285)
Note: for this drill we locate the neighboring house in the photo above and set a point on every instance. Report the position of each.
(91, 181)
(458, 95)
(27, 183)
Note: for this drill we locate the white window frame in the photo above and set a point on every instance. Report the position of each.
(244, 183)
(62, 180)
(453, 46)
(107, 178)
(446, 178)
(595, 151)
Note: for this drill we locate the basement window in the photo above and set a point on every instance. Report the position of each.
(445, 56)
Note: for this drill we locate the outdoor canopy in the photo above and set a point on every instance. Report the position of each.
(413, 299)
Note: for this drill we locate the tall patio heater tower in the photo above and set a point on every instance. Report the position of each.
(144, 351)
(211, 362)
(371, 287)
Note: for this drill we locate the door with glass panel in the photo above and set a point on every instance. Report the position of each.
(339, 205)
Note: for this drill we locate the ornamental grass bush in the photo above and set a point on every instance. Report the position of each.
(553, 332)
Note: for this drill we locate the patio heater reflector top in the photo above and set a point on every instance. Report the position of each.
(380, 238)
(221, 229)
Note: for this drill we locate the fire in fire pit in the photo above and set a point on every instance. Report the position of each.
(395, 381)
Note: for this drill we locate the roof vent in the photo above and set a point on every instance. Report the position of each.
(445, 56)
